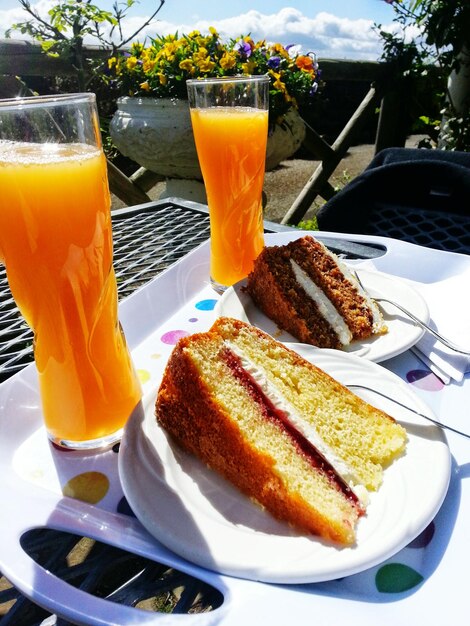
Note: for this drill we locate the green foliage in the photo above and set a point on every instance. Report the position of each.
(62, 34)
(308, 224)
(446, 26)
(455, 133)
(343, 180)
(445, 32)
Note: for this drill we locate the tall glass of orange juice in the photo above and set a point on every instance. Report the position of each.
(56, 244)
(230, 123)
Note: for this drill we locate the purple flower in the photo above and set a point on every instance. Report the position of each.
(243, 48)
(274, 62)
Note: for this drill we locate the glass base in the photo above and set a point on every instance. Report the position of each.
(218, 287)
(87, 445)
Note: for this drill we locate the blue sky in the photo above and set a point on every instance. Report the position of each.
(217, 9)
(333, 29)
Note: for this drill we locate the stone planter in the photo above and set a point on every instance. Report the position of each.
(285, 140)
(156, 133)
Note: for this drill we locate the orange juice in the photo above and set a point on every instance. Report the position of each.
(56, 243)
(231, 146)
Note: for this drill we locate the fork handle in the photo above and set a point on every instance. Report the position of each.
(438, 336)
(405, 406)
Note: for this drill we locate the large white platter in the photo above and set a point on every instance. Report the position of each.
(201, 517)
(402, 333)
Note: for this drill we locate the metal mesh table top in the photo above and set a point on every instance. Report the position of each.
(147, 239)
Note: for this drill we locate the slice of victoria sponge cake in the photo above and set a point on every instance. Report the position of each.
(280, 429)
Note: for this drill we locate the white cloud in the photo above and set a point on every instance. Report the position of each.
(9, 17)
(327, 35)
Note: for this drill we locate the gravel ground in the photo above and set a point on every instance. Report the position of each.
(283, 185)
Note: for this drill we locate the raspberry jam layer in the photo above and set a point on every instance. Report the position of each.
(280, 418)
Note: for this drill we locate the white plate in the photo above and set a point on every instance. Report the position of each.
(402, 331)
(197, 514)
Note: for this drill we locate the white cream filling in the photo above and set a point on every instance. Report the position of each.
(303, 427)
(377, 320)
(325, 306)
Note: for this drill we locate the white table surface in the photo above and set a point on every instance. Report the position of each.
(425, 583)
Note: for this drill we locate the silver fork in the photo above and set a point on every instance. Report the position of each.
(405, 406)
(447, 342)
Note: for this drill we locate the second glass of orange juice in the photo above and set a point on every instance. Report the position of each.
(230, 122)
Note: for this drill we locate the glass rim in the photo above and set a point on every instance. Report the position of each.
(46, 100)
(238, 78)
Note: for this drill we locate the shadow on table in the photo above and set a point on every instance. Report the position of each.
(404, 573)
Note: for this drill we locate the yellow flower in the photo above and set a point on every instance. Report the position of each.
(162, 78)
(228, 60)
(145, 86)
(148, 65)
(203, 61)
(148, 53)
(169, 50)
(131, 62)
(249, 67)
(279, 49)
(200, 55)
(186, 65)
(112, 62)
(213, 31)
(206, 65)
(278, 84)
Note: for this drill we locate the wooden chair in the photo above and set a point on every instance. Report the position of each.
(330, 157)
